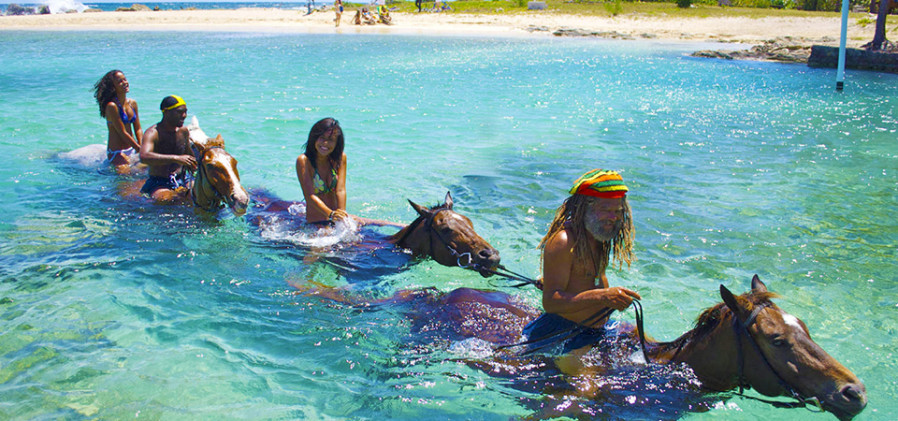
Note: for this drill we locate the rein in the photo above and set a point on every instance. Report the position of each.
(512, 276)
(742, 329)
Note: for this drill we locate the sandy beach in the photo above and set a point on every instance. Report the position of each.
(801, 30)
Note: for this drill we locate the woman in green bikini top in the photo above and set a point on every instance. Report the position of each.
(321, 171)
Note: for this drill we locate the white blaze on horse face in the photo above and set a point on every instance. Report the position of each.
(458, 217)
(792, 321)
(225, 164)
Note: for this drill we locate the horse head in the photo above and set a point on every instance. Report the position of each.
(779, 358)
(448, 237)
(217, 179)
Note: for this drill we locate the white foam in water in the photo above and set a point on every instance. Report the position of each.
(472, 348)
(344, 231)
(64, 6)
(89, 156)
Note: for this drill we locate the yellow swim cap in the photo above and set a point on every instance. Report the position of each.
(171, 102)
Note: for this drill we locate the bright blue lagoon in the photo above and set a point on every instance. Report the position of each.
(113, 309)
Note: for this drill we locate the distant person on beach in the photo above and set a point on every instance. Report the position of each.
(418, 3)
(321, 171)
(166, 150)
(383, 13)
(338, 10)
(122, 120)
(363, 16)
(591, 225)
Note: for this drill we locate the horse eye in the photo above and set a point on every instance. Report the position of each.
(778, 342)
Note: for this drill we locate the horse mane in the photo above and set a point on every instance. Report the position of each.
(710, 319)
(404, 233)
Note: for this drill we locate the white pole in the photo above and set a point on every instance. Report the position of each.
(840, 72)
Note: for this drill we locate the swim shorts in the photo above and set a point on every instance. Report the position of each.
(171, 182)
(548, 333)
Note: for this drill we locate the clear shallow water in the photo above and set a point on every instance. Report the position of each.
(115, 309)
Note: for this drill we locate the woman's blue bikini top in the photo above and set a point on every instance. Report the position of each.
(124, 115)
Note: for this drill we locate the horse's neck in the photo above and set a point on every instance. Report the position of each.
(413, 237)
(712, 356)
(202, 192)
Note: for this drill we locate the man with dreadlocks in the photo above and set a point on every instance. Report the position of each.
(593, 224)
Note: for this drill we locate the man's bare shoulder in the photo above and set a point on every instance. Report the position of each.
(559, 242)
(150, 132)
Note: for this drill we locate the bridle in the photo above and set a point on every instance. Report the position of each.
(741, 328)
(217, 201)
(432, 233)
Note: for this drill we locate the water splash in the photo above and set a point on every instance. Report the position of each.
(281, 230)
(65, 6)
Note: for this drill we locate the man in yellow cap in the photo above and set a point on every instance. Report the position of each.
(166, 151)
(593, 224)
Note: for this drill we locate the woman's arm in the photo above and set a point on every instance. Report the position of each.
(138, 132)
(341, 184)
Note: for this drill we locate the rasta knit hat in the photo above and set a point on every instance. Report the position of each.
(606, 184)
(171, 102)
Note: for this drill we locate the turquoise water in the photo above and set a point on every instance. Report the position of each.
(115, 309)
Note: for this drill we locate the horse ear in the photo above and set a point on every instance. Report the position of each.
(729, 299)
(216, 141)
(757, 285)
(448, 200)
(420, 209)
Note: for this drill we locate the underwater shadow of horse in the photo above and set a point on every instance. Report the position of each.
(745, 342)
(438, 232)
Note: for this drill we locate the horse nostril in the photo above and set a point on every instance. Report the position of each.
(486, 253)
(852, 392)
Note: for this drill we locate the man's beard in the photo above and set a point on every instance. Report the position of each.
(601, 230)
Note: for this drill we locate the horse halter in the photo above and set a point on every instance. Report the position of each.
(433, 233)
(742, 329)
(216, 203)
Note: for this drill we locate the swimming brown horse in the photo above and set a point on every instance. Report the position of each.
(747, 341)
(217, 181)
(744, 342)
(438, 232)
(448, 237)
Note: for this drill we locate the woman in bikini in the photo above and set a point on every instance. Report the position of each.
(121, 117)
(322, 173)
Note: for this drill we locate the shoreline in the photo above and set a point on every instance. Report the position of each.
(737, 30)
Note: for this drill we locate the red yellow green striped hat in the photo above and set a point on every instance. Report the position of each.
(606, 184)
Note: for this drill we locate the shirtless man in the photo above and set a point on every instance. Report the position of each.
(593, 223)
(166, 151)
